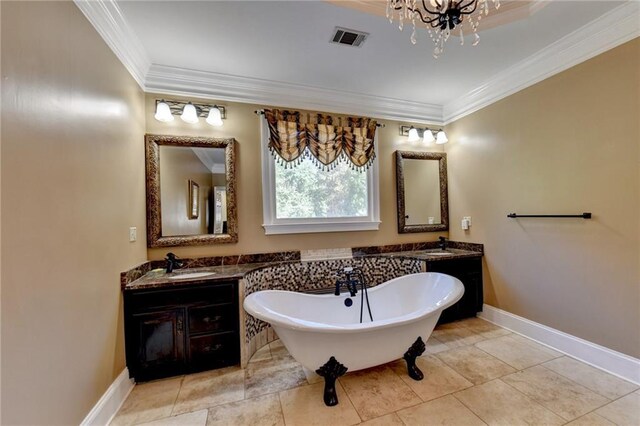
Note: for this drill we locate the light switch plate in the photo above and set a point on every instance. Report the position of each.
(133, 234)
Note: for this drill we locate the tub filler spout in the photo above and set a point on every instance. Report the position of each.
(350, 281)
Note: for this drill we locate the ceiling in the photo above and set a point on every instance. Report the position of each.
(212, 158)
(287, 43)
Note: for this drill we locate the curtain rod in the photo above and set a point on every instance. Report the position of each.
(261, 112)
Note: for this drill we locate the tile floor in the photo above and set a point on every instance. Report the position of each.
(475, 373)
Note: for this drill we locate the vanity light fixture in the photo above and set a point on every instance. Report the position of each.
(215, 116)
(163, 112)
(190, 112)
(441, 137)
(428, 136)
(414, 134)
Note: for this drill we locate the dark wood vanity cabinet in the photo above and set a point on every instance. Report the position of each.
(159, 342)
(469, 271)
(171, 331)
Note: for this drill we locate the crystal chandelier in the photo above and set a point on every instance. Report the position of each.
(440, 17)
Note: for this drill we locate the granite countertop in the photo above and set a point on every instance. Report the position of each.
(435, 254)
(158, 278)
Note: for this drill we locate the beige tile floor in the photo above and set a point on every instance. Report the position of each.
(475, 373)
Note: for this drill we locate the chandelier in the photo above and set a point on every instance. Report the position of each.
(440, 17)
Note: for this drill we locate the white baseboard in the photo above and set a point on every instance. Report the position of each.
(109, 404)
(616, 363)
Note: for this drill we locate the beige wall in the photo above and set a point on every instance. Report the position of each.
(569, 144)
(178, 166)
(243, 124)
(72, 184)
(73, 181)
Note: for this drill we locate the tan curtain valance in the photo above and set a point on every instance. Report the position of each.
(293, 135)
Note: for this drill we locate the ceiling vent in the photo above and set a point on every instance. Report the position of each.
(348, 37)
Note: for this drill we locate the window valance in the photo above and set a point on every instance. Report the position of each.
(294, 135)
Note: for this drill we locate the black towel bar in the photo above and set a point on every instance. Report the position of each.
(583, 215)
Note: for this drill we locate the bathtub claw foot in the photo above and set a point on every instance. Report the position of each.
(410, 356)
(331, 371)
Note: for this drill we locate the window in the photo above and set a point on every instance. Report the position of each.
(306, 198)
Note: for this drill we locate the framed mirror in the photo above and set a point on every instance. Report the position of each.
(191, 191)
(421, 180)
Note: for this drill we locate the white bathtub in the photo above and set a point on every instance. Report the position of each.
(314, 328)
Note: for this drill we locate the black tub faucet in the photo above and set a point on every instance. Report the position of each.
(350, 281)
(339, 284)
(172, 262)
(442, 243)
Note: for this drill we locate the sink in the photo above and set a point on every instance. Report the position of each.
(437, 252)
(191, 275)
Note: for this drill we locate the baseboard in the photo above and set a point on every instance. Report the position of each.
(616, 363)
(109, 404)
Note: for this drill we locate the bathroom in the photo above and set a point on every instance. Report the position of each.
(561, 296)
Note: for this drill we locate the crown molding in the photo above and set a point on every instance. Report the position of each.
(185, 82)
(106, 17)
(610, 30)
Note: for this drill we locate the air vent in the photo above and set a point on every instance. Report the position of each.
(348, 37)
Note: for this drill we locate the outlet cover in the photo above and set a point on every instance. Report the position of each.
(133, 234)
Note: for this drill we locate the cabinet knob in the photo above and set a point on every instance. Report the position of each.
(216, 318)
(180, 325)
(212, 348)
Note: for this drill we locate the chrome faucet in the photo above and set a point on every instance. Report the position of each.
(172, 262)
(443, 243)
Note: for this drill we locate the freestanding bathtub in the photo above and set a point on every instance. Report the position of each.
(325, 335)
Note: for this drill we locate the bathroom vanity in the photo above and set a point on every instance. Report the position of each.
(181, 329)
(191, 319)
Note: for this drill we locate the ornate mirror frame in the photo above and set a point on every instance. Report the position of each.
(154, 219)
(403, 228)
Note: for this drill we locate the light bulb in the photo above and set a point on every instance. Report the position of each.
(441, 137)
(189, 114)
(428, 136)
(413, 134)
(215, 117)
(163, 112)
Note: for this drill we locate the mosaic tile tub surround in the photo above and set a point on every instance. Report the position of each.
(309, 276)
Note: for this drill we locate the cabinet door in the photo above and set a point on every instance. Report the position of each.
(469, 271)
(213, 318)
(213, 351)
(160, 343)
(471, 303)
